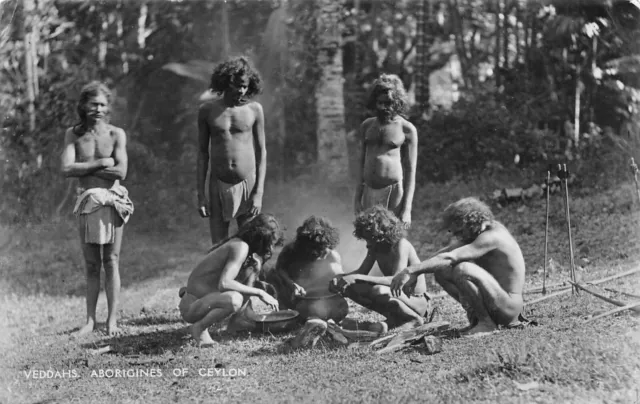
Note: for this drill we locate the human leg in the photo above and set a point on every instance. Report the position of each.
(395, 198)
(93, 262)
(446, 280)
(485, 298)
(218, 226)
(207, 310)
(111, 263)
(398, 311)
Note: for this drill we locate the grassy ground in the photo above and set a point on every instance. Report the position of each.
(561, 360)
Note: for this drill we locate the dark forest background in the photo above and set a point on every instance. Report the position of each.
(497, 88)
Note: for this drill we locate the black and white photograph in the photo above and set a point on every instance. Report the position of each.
(320, 201)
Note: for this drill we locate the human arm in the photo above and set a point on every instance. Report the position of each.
(282, 269)
(360, 135)
(120, 158)
(203, 161)
(261, 160)
(400, 260)
(236, 257)
(482, 245)
(410, 159)
(71, 168)
(342, 282)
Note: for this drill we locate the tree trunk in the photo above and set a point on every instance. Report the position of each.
(525, 26)
(226, 44)
(576, 118)
(592, 90)
(422, 55)
(142, 22)
(496, 51)
(461, 49)
(516, 33)
(29, 63)
(103, 45)
(332, 146)
(505, 36)
(120, 33)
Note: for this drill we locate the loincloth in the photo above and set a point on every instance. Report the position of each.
(372, 197)
(234, 198)
(100, 211)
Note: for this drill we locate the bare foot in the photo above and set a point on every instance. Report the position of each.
(86, 329)
(202, 336)
(113, 330)
(481, 329)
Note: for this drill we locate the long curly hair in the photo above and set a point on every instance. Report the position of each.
(380, 226)
(262, 234)
(90, 90)
(392, 85)
(467, 214)
(225, 72)
(314, 237)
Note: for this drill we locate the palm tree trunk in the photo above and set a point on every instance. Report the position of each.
(331, 136)
(29, 62)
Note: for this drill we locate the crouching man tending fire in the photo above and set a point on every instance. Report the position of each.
(483, 268)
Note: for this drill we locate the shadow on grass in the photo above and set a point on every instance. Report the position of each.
(151, 320)
(150, 343)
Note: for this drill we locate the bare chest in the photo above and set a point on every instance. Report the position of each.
(388, 263)
(95, 145)
(389, 135)
(231, 121)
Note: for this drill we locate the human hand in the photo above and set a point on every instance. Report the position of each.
(339, 284)
(269, 300)
(203, 206)
(256, 204)
(255, 261)
(107, 162)
(298, 290)
(405, 217)
(399, 280)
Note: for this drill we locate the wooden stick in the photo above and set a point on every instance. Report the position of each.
(606, 299)
(596, 282)
(559, 285)
(546, 239)
(630, 306)
(634, 172)
(102, 350)
(405, 338)
(565, 181)
(622, 293)
(383, 339)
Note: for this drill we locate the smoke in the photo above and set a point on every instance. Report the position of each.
(294, 202)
